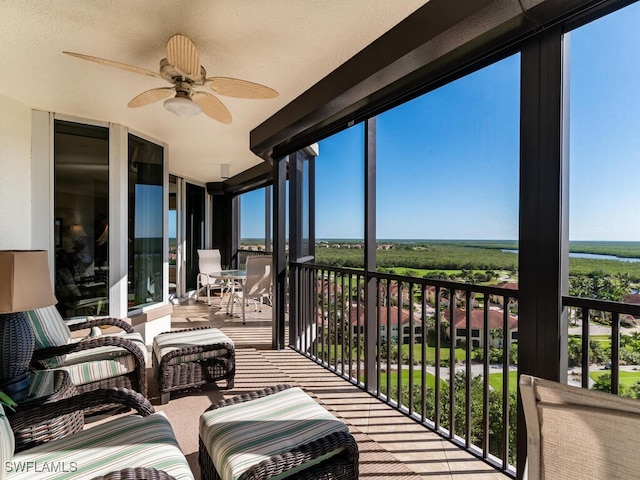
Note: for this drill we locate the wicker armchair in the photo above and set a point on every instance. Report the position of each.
(145, 439)
(120, 363)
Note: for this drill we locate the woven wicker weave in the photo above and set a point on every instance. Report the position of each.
(342, 466)
(16, 347)
(195, 373)
(35, 433)
(135, 380)
(101, 322)
(49, 411)
(138, 473)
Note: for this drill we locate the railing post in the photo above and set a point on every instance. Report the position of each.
(543, 237)
(370, 297)
(279, 253)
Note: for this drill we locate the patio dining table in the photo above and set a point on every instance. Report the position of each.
(231, 278)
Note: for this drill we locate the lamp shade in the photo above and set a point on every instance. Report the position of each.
(78, 231)
(25, 281)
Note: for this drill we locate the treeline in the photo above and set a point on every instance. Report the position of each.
(595, 267)
(618, 249)
(474, 255)
(423, 256)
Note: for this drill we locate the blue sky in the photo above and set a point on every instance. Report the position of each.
(447, 162)
(148, 208)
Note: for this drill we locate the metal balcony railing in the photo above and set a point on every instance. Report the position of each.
(242, 255)
(420, 333)
(585, 315)
(403, 339)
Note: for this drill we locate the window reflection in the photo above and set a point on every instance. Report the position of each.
(145, 223)
(81, 206)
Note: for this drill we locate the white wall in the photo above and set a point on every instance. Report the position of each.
(15, 175)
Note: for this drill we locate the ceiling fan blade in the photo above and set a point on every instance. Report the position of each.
(150, 96)
(111, 63)
(212, 107)
(182, 54)
(234, 87)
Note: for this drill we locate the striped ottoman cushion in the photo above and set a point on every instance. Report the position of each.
(131, 441)
(241, 435)
(168, 342)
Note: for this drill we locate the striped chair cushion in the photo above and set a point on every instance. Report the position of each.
(7, 443)
(242, 435)
(131, 441)
(168, 342)
(93, 371)
(100, 363)
(49, 330)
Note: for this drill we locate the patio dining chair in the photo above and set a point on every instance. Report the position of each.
(209, 261)
(258, 284)
(102, 360)
(574, 432)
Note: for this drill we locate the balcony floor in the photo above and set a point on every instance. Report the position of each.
(391, 445)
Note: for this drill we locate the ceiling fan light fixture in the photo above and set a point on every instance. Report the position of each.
(182, 107)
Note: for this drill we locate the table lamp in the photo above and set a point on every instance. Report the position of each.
(25, 284)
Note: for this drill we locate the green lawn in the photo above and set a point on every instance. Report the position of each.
(422, 273)
(460, 353)
(417, 379)
(602, 340)
(495, 380)
(627, 378)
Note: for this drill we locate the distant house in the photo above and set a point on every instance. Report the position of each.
(328, 288)
(393, 323)
(635, 299)
(495, 322)
(499, 300)
(393, 294)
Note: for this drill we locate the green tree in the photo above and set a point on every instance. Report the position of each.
(597, 354)
(495, 410)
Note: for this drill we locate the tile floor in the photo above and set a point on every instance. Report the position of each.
(391, 445)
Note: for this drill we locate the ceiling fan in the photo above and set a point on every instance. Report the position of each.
(182, 69)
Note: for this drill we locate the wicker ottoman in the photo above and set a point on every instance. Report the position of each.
(192, 357)
(276, 431)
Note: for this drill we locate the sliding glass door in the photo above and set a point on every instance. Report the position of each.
(146, 214)
(81, 210)
(195, 231)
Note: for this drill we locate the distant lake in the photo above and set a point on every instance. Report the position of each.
(594, 256)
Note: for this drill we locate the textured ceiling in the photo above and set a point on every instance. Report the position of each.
(287, 45)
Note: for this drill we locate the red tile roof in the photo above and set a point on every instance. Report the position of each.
(355, 319)
(477, 318)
